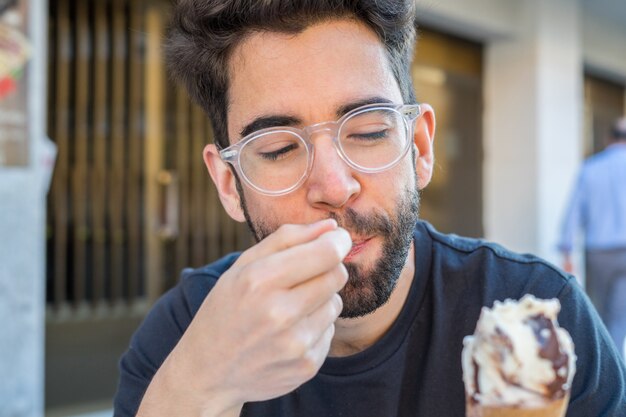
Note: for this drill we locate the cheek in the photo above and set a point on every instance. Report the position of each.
(398, 179)
(409, 171)
(275, 211)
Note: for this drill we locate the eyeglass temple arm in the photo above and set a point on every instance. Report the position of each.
(412, 111)
(228, 154)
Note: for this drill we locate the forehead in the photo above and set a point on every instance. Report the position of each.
(307, 75)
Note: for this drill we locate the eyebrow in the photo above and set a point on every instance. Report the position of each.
(264, 122)
(277, 120)
(346, 108)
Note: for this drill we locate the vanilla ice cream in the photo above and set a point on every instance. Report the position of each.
(518, 356)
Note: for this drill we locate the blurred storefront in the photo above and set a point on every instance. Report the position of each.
(131, 202)
(521, 93)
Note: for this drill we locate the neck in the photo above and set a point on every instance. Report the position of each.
(354, 335)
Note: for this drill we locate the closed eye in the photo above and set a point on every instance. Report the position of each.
(278, 153)
(370, 136)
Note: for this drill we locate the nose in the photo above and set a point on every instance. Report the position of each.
(331, 183)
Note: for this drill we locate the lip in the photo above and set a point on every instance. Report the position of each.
(358, 245)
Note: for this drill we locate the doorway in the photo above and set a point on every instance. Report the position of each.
(605, 102)
(447, 73)
(131, 203)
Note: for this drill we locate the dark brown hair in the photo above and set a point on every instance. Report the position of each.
(203, 34)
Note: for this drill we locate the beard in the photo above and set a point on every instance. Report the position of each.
(368, 288)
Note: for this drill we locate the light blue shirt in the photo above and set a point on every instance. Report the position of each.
(598, 203)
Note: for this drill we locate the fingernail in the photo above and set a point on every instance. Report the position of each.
(347, 240)
(325, 222)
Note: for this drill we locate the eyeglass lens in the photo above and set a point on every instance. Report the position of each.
(278, 160)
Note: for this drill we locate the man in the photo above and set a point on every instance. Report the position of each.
(347, 306)
(598, 206)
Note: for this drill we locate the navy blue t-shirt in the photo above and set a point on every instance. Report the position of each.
(415, 368)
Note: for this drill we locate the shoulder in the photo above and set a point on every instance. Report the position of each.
(170, 316)
(185, 298)
(492, 266)
(466, 274)
(173, 312)
(161, 329)
(603, 159)
(196, 283)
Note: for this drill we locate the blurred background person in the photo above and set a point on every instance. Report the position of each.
(598, 207)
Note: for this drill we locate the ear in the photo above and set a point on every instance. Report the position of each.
(423, 141)
(224, 180)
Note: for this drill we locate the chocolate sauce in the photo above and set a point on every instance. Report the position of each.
(549, 349)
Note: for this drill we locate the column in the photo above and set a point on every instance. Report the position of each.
(26, 159)
(533, 126)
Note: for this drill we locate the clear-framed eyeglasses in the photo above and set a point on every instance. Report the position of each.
(370, 139)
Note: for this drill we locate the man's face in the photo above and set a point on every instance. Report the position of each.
(307, 78)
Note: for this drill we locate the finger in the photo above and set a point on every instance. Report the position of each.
(322, 345)
(311, 328)
(313, 293)
(284, 237)
(298, 264)
(317, 354)
(297, 371)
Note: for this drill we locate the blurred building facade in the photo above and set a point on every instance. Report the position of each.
(522, 90)
(554, 77)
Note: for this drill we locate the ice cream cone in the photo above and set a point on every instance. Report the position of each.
(556, 408)
(518, 362)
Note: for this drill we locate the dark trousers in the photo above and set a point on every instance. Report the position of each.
(606, 286)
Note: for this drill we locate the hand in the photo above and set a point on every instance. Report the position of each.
(266, 326)
(568, 265)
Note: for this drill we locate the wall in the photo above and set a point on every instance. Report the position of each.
(604, 49)
(474, 19)
(533, 126)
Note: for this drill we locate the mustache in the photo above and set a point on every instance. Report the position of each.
(364, 224)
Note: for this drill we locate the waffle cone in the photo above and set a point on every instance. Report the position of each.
(555, 408)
